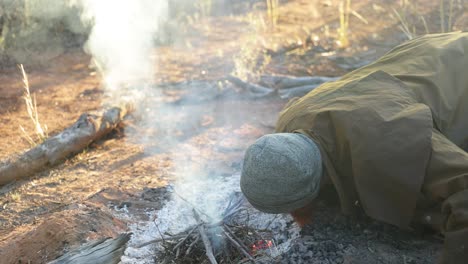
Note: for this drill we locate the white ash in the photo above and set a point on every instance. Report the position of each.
(210, 196)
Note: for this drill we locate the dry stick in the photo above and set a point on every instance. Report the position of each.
(228, 215)
(158, 240)
(229, 230)
(183, 240)
(159, 231)
(206, 240)
(192, 244)
(88, 128)
(232, 208)
(239, 247)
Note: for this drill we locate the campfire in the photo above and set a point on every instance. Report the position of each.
(225, 241)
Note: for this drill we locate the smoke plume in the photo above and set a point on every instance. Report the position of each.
(121, 42)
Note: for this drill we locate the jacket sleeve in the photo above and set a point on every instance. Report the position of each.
(447, 182)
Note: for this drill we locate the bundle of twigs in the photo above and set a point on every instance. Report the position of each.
(220, 242)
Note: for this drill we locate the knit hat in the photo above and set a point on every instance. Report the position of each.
(281, 172)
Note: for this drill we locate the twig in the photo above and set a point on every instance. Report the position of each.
(238, 246)
(230, 214)
(177, 253)
(183, 240)
(206, 240)
(232, 207)
(159, 231)
(228, 229)
(158, 240)
(192, 244)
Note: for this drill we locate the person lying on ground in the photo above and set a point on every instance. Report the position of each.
(391, 138)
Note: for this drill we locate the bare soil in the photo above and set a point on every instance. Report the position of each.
(64, 206)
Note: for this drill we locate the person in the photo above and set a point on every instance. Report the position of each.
(391, 138)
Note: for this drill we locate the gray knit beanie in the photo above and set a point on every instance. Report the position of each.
(281, 172)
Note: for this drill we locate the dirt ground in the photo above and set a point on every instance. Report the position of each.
(67, 205)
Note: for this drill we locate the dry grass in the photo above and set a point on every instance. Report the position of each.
(204, 6)
(40, 131)
(15, 196)
(405, 16)
(345, 10)
(446, 27)
(273, 12)
(252, 58)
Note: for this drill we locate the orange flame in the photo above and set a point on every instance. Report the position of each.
(261, 245)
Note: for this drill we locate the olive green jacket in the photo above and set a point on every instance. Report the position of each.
(394, 131)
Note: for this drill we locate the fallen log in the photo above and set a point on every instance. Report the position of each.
(254, 90)
(105, 251)
(283, 81)
(286, 87)
(88, 128)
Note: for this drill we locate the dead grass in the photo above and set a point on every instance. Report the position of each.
(273, 12)
(345, 10)
(409, 18)
(40, 131)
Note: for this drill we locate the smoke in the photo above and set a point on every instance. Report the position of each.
(121, 42)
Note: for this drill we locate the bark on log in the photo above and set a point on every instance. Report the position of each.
(106, 251)
(88, 128)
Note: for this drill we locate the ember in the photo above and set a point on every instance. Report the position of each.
(261, 245)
